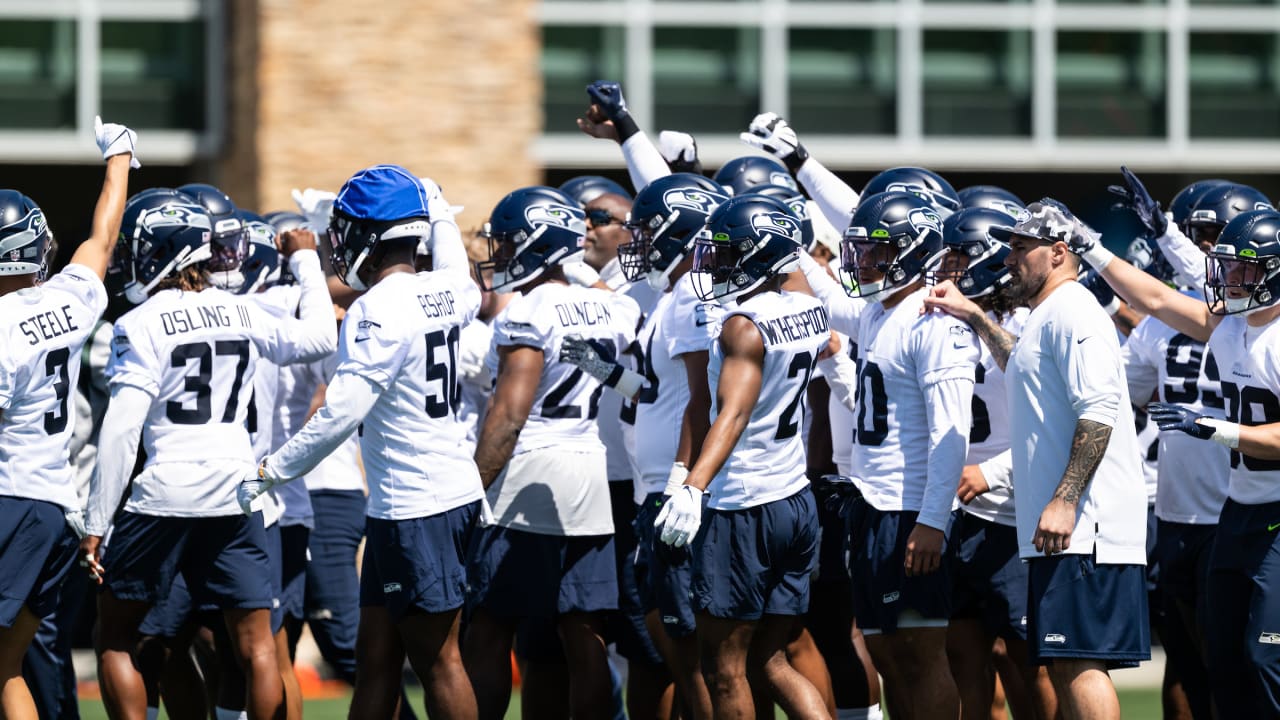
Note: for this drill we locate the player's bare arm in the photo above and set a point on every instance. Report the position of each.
(116, 143)
(1058, 521)
(740, 378)
(697, 414)
(519, 370)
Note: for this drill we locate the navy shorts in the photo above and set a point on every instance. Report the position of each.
(757, 561)
(167, 617)
(223, 559)
(417, 564)
(881, 589)
(835, 498)
(664, 574)
(626, 628)
(294, 544)
(1082, 610)
(37, 550)
(990, 578)
(518, 574)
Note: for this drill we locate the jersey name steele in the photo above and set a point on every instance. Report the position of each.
(437, 304)
(185, 320)
(48, 325)
(790, 328)
(583, 313)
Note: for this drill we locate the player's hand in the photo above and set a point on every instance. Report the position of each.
(254, 486)
(680, 151)
(680, 517)
(291, 241)
(75, 521)
(924, 550)
(91, 557)
(772, 134)
(1134, 196)
(1082, 239)
(833, 347)
(946, 297)
(597, 125)
(1169, 416)
(1053, 532)
(316, 206)
(607, 96)
(972, 484)
(577, 350)
(115, 140)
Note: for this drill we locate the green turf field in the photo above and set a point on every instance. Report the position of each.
(1135, 705)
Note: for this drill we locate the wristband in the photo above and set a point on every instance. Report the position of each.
(1224, 432)
(795, 160)
(625, 126)
(1098, 256)
(676, 478)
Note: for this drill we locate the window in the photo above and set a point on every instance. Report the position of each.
(843, 81)
(153, 74)
(38, 74)
(1234, 86)
(1111, 84)
(977, 83)
(572, 58)
(706, 79)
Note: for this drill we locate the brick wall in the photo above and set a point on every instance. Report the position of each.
(319, 89)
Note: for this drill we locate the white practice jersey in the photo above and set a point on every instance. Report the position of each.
(768, 461)
(680, 323)
(567, 400)
(403, 335)
(989, 435)
(477, 383)
(901, 436)
(1148, 452)
(196, 354)
(39, 369)
(295, 387)
(1249, 364)
(843, 421)
(1192, 474)
(342, 469)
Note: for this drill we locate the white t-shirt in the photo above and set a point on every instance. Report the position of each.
(1192, 475)
(1066, 367)
(680, 323)
(910, 442)
(1249, 363)
(768, 461)
(45, 329)
(990, 433)
(403, 336)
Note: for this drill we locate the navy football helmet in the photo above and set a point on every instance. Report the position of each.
(163, 232)
(740, 175)
(923, 183)
(1243, 269)
(799, 206)
(1187, 197)
(380, 204)
(664, 221)
(24, 235)
(991, 196)
(230, 236)
(748, 240)
(974, 260)
(585, 188)
(1217, 207)
(893, 239)
(261, 266)
(530, 231)
(1146, 255)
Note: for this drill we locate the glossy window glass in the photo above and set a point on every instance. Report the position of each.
(705, 79)
(977, 83)
(843, 81)
(1235, 85)
(153, 74)
(572, 58)
(1111, 84)
(37, 74)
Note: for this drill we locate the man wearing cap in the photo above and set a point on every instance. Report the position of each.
(1078, 489)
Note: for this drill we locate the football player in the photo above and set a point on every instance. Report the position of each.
(753, 559)
(48, 322)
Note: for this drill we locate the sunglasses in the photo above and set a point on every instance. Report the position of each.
(599, 217)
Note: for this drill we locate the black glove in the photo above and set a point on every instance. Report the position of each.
(1134, 196)
(607, 95)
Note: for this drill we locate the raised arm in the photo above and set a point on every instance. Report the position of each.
(608, 118)
(313, 334)
(117, 144)
(772, 134)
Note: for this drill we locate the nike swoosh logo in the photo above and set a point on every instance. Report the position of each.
(361, 339)
(120, 353)
(1273, 527)
(1081, 340)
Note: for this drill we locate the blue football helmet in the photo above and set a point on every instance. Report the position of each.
(974, 260)
(664, 221)
(893, 239)
(799, 206)
(1243, 269)
(24, 236)
(1147, 256)
(261, 266)
(1217, 207)
(530, 231)
(748, 240)
(1186, 199)
(926, 184)
(163, 232)
(585, 188)
(991, 196)
(230, 242)
(380, 204)
(740, 175)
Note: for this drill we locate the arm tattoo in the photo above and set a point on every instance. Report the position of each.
(998, 340)
(1087, 448)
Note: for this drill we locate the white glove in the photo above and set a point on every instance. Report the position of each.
(486, 518)
(680, 517)
(75, 521)
(316, 206)
(773, 135)
(579, 273)
(254, 486)
(677, 146)
(115, 140)
(437, 207)
(675, 478)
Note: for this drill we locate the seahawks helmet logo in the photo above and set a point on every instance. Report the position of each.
(773, 223)
(783, 179)
(552, 214)
(922, 219)
(697, 200)
(175, 215)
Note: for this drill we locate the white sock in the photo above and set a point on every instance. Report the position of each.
(225, 714)
(153, 713)
(866, 713)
